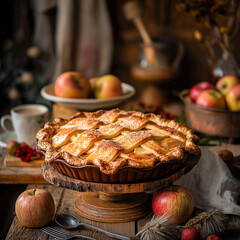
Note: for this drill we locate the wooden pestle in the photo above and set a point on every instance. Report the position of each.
(132, 12)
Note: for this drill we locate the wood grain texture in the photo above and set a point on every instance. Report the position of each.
(12, 161)
(64, 200)
(64, 203)
(21, 175)
(135, 206)
(60, 111)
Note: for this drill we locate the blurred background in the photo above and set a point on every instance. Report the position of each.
(198, 41)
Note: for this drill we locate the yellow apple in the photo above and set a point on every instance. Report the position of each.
(233, 98)
(108, 86)
(225, 83)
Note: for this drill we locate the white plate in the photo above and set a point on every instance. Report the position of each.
(91, 104)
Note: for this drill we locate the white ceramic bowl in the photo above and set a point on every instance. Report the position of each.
(90, 104)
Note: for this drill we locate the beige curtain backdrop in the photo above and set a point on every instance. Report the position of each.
(80, 40)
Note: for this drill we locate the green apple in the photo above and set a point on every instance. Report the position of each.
(12, 147)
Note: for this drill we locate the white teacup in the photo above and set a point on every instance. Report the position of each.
(26, 121)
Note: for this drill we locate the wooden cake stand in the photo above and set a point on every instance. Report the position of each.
(112, 202)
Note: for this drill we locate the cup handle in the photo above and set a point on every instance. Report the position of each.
(3, 120)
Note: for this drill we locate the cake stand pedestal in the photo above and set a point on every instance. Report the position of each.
(112, 202)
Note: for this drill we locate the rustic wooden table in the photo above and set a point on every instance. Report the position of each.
(64, 202)
(20, 175)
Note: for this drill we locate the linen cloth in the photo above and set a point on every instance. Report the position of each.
(212, 184)
(74, 35)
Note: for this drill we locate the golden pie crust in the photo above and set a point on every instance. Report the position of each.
(113, 140)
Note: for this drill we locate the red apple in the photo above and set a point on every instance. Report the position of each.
(233, 98)
(12, 147)
(211, 99)
(175, 201)
(225, 83)
(34, 208)
(190, 233)
(72, 85)
(108, 86)
(197, 89)
(213, 237)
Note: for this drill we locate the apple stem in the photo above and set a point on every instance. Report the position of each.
(34, 190)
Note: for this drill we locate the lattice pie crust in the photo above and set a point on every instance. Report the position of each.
(115, 139)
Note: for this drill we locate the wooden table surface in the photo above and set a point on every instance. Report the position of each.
(64, 202)
(20, 175)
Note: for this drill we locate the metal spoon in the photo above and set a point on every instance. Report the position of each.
(68, 221)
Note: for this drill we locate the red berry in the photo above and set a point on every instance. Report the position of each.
(190, 233)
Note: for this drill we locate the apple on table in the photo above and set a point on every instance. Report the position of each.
(175, 201)
(12, 147)
(211, 99)
(72, 85)
(190, 233)
(34, 208)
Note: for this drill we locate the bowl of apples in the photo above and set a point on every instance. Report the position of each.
(214, 109)
(73, 89)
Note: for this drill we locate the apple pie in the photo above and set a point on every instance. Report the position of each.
(116, 146)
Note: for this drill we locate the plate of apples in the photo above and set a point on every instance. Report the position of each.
(73, 89)
(214, 109)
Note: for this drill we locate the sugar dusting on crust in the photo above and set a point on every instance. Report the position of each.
(83, 123)
(160, 140)
(107, 151)
(133, 122)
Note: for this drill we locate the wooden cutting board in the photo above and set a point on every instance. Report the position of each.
(12, 161)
